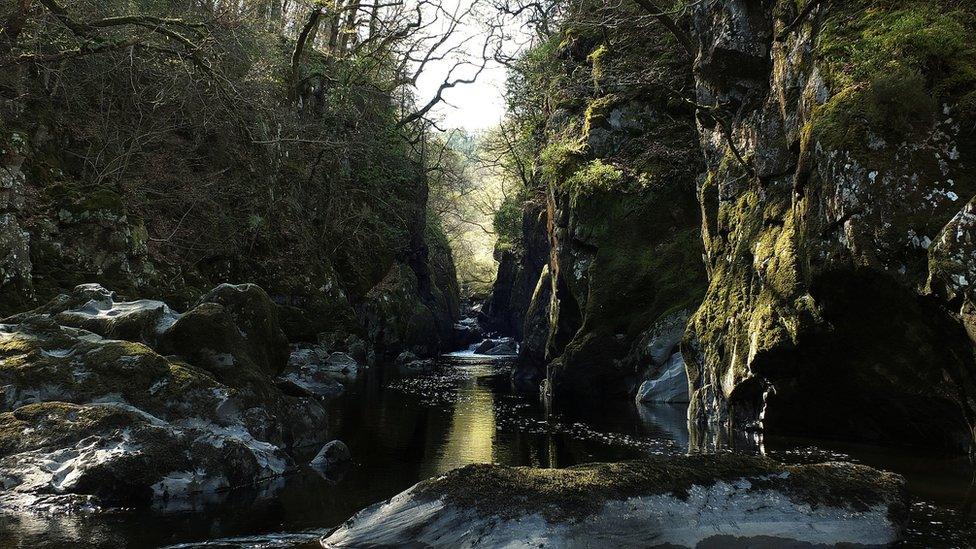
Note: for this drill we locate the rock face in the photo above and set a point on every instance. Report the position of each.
(530, 368)
(668, 385)
(518, 271)
(721, 500)
(617, 171)
(837, 221)
(92, 411)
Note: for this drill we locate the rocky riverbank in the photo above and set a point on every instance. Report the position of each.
(130, 403)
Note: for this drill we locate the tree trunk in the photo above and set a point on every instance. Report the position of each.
(349, 30)
(311, 26)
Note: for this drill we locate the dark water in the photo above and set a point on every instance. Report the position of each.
(404, 430)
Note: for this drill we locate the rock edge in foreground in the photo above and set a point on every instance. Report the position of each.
(677, 501)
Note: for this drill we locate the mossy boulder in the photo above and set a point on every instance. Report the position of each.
(208, 337)
(111, 422)
(43, 361)
(96, 309)
(686, 501)
(257, 318)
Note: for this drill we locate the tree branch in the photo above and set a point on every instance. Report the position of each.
(669, 23)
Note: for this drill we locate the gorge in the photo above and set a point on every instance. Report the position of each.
(735, 263)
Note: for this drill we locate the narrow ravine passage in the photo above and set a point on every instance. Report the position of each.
(487, 273)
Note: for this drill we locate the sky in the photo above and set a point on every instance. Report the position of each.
(476, 106)
(471, 107)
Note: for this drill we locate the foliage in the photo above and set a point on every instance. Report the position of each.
(508, 220)
(226, 166)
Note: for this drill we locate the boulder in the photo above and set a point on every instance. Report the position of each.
(310, 372)
(256, 316)
(342, 363)
(333, 461)
(505, 348)
(675, 502)
(208, 337)
(484, 346)
(408, 364)
(94, 308)
(332, 454)
(86, 416)
(466, 333)
(497, 347)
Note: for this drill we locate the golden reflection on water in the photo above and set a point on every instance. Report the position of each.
(471, 436)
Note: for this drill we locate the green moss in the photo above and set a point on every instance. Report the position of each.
(598, 60)
(595, 176)
(893, 106)
(577, 492)
(891, 65)
(597, 112)
(507, 220)
(558, 160)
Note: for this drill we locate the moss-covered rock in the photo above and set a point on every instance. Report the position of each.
(257, 319)
(208, 337)
(849, 162)
(84, 418)
(686, 501)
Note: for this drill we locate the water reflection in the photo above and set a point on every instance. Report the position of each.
(471, 435)
(665, 420)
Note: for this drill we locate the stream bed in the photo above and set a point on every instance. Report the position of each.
(405, 429)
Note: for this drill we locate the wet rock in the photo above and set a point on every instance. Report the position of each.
(342, 363)
(84, 418)
(333, 461)
(504, 348)
(114, 420)
(497, 347)
(312, 370)
(96, 309)
(484, 346)
(467, 332)
(680, 501)
(669, 385)
(332, 454)
(409, 364)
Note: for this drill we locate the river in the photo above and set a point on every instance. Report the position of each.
(402, 430)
